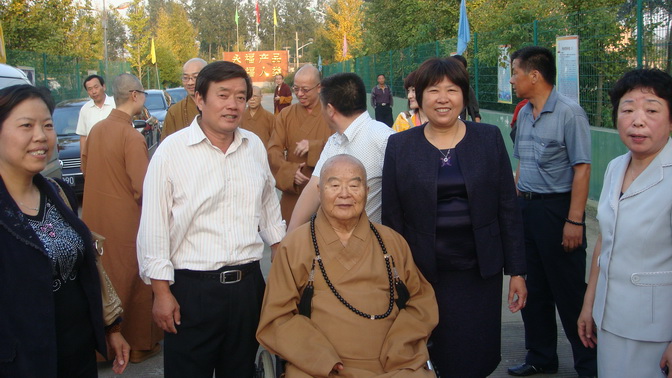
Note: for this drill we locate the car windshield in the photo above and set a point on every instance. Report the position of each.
(65, 119)
(155, 101)
(177, 94)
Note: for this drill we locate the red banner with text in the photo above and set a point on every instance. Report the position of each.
(260, 65)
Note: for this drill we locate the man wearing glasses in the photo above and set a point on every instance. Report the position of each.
(298, 137)
(183, 112)
(115, 162)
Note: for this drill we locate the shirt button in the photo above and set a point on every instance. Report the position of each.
(635, 278)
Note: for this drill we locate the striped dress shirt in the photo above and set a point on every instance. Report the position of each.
(202, 208)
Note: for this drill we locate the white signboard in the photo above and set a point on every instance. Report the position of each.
(567, 61)
(504, 75)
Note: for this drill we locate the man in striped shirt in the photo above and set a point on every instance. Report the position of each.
(209, 207)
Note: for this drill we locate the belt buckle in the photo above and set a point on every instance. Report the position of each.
(527, 195)
(230, 276)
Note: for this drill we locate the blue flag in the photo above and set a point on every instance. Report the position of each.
(463, 33)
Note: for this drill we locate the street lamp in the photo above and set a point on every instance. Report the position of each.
(119, 7)
(310, 40)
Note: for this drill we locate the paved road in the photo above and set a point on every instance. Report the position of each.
(513, 342)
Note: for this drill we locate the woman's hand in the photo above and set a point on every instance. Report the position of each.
(121, 351)
(518, 288)
(666, 361)
(587, 328)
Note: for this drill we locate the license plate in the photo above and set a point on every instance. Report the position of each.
(70, 180)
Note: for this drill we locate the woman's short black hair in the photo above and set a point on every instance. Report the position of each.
(221, 71)
(659, 82)
(434, 70)
(12, 96)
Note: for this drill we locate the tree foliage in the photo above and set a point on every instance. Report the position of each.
(139, 37)
(345, 20)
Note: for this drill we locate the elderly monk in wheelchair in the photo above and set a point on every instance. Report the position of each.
(344, 296)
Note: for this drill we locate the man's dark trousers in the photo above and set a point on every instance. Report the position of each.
(554, 278)
(384, 114)
(219, 323)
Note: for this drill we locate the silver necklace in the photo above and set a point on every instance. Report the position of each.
(28, 207)
(445, 158)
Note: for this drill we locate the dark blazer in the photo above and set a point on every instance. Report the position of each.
(409, 206)
(27, 325)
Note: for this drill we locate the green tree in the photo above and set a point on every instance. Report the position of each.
(175, 31)
(116, 36)
(345, 18)
(214, 20)
(139, 37)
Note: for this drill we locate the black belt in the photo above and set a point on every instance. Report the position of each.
(225, 275)
(537, 196)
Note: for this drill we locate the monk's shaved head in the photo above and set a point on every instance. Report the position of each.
(342, 160)
(308, 72)
(122, 87)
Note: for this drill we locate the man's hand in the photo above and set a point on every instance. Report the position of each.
(572, 237)
(277, 98)
(517, 288)
(166, 310)
(300, 178)
(301, 148)
(121, 349)
(666, 361)
(587, 328)
(274, 249)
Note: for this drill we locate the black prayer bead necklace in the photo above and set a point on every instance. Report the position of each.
(333, 289)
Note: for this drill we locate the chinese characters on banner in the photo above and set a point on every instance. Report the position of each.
(260, 65)
(504, 75)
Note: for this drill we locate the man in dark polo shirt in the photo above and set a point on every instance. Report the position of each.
(553, 148)
(381, 100)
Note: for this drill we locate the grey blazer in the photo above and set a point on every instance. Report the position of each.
(633, 298)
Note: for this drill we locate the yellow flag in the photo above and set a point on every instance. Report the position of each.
(3, 54)
(275, 18)
(153, 53)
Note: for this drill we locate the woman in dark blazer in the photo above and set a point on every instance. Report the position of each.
(51, 319)
(448, 189)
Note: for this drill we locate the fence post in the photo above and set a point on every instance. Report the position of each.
(436, 48)
(476, 65)
(640, 34)
(44, 65)
(536, 34)
(391, 71)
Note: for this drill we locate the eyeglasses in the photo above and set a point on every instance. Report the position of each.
(304, 90)
(139, 91)
(187, 78)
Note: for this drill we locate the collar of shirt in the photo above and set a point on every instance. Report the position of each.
(352, 130)
(109, 101)
(551, 101)
(196, 136)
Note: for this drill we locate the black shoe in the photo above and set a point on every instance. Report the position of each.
(523, 370)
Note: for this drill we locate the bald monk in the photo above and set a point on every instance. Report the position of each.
(302, 319)
(257, 119)
(298, 137)
(183, 112)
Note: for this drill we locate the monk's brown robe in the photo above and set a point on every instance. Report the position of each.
(114, 165)
(261, 123)
(293, 125)
(394, 346)
(179, 116)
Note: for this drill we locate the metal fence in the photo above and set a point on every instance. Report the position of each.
(63, 75)
(611, 41)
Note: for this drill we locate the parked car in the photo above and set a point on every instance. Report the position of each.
(14, 76)
(177, 94)
(157, 103)
(65, 118)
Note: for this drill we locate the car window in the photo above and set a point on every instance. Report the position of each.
(65, 119)
(177, 94)
(155, 101)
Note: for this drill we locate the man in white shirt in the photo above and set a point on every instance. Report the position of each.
(95, 110)
(209, 206)
(343, 99)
